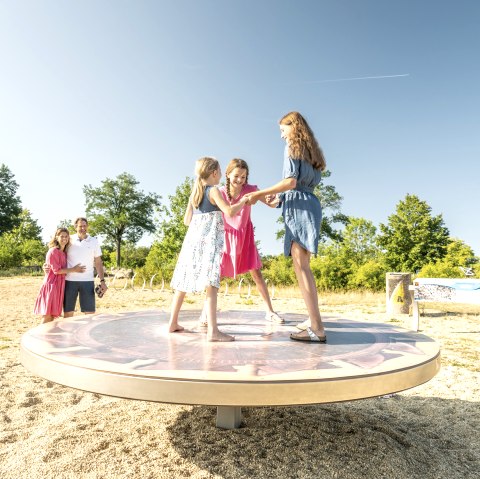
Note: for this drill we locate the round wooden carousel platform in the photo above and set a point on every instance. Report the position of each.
(132, 355)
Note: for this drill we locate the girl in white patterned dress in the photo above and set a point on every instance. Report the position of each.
(198, 265)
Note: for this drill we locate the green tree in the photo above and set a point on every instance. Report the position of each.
(23, 245)
(28, 228)
(68, 224)
(10, 204)
(133, 257)
(331, 202)
(170, 232)
(331, 268)
(364, 261)
(413, 237)
(10, 252)
(459, 255)
(359, 241)
(279, 270)
(369, 275)
(120, 211)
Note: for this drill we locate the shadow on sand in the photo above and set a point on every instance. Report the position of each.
(397, 437)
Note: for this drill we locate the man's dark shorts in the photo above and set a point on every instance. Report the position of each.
(84, 289)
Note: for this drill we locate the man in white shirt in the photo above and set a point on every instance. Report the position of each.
(84, 249)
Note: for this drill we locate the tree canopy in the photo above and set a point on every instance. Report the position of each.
(10, 203)
(171, 231)
(23, 245)
(120, 211)
(413, 237)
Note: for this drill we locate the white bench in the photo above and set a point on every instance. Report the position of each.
(443, 290)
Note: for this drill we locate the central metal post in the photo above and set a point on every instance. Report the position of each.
(229, 417)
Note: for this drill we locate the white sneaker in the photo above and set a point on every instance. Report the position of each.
(202, 321)
(274, 317)
(304, 325)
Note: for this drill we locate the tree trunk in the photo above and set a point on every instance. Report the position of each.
(119, 244)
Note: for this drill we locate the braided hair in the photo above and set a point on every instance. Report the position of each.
(235, 163)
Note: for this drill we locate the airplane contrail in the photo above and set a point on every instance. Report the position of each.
(358, 78)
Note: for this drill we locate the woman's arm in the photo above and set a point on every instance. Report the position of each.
(284, 185)
(216, 198)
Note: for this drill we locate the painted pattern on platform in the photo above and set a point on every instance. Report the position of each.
(138, 343)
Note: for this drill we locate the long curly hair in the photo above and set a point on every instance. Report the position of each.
(204, 167)
(235, 163)
(54, 242)
(302, 144)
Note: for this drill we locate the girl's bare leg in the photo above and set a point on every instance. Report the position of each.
(213, 333)
(306, 282)
(47, 319)
(263, 290)
(177, 302)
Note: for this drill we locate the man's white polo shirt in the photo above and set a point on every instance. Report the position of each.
(83, 252)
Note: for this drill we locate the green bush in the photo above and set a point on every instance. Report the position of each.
(370, 276)
(330, 273)
(279, 270)
(440, 269)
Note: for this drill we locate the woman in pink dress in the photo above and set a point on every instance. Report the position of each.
(240, 253)
(49, 301)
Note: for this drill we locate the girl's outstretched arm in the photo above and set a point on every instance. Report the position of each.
(216, 198)
(188, 213)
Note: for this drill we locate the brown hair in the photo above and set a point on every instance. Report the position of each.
(54, 242)
(302, 144)
(204, 167)
(80, 218)
(235, 163)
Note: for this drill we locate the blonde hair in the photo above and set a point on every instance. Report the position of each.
(302, 144)
(235, 163)
(54, 242)
(204, 167)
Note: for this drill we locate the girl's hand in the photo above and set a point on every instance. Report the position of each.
(251, 199)
(272, 200)
(79, 268)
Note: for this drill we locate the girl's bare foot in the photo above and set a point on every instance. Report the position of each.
(220, 337)
(175, 328)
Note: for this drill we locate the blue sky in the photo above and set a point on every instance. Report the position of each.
(91, 89)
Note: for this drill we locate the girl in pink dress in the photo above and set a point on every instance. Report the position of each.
(49, 301)
(240, 253)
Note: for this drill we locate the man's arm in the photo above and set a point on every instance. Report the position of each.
(100, 272)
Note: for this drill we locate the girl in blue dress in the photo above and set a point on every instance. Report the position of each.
(302, 171)
(198, 265)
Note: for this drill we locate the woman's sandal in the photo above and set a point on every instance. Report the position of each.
(311, 338)
(273, 317)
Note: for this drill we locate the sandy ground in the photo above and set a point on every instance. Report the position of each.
(51, 431)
